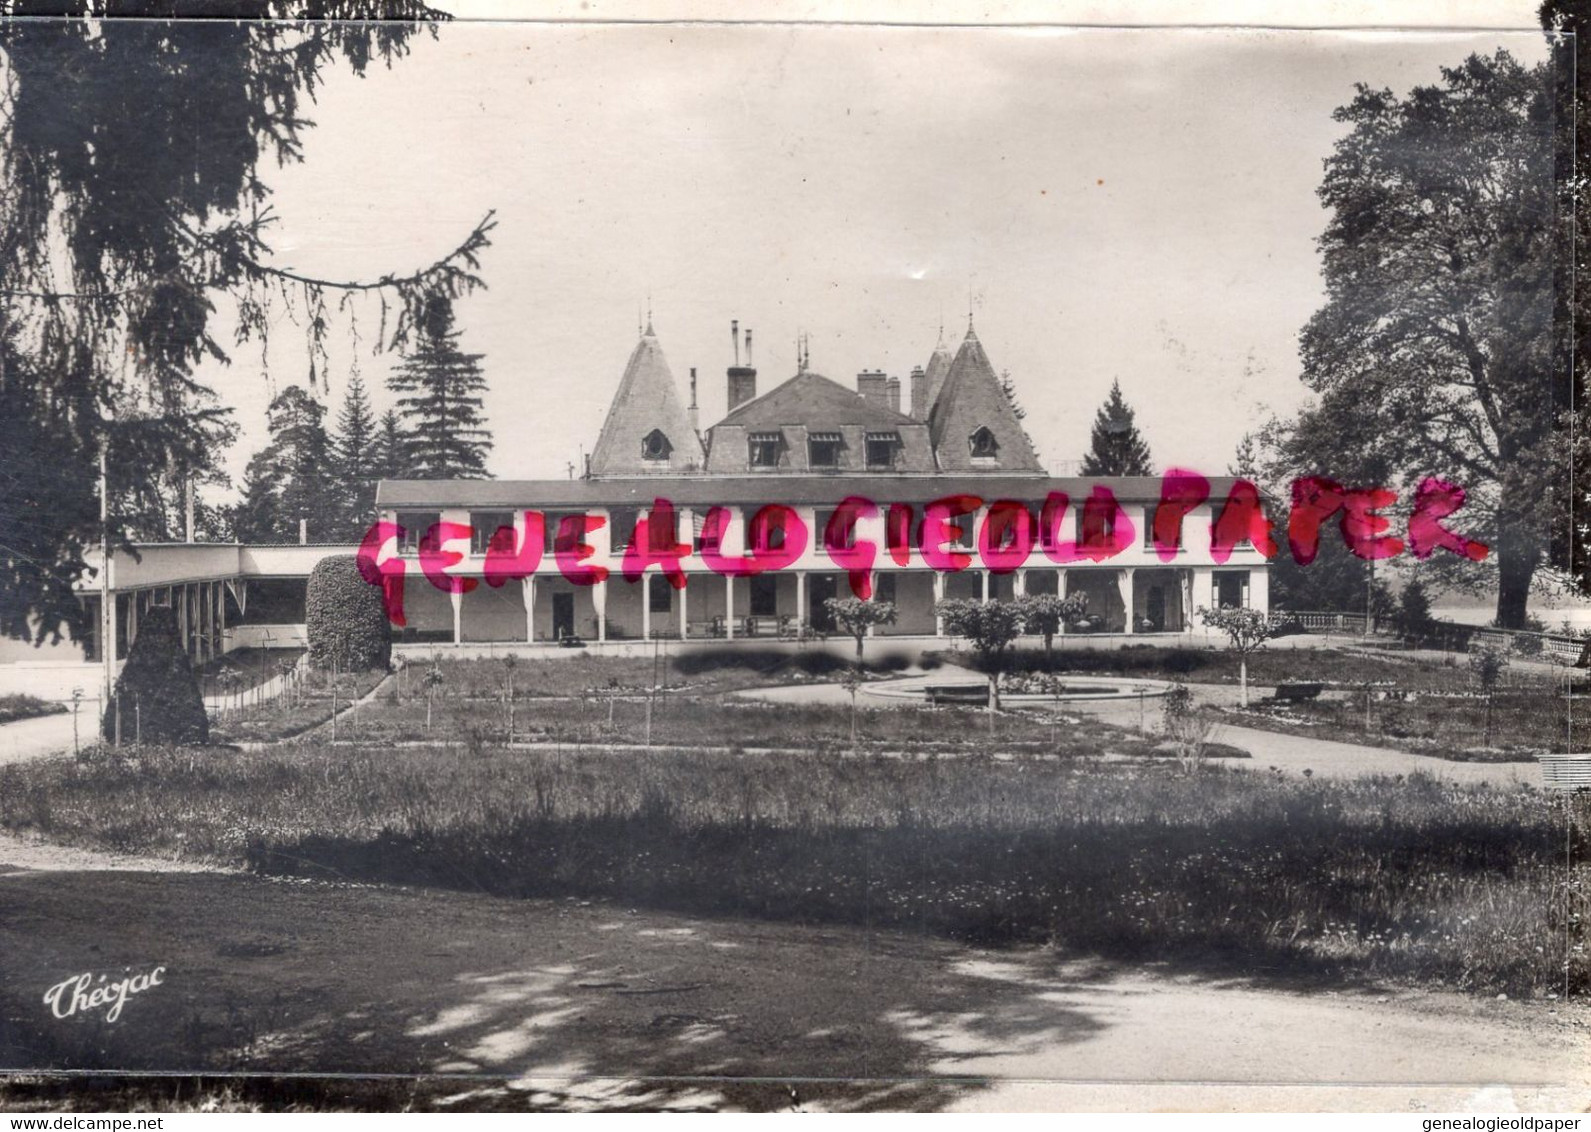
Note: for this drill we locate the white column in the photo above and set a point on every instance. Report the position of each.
(1185, 583)
(684, 613)
(646, 607)
(456, 599)
(527, 589)
(1124, 584)
(1019, 584)
(729, 607)
(599, 602)
(801, 597)
(872, 579)
(939, 596)
(983, 577)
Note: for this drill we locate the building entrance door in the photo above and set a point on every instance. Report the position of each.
(1155, 608)
(563, 616)
(821, 587)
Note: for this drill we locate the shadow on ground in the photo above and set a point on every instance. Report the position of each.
(518, 1003)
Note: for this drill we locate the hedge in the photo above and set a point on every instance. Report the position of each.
(345, 619)
(157, 690)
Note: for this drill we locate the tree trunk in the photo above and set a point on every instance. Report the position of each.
(1049, 652)
(1518, 550)
(1242, 681)
(859, 639)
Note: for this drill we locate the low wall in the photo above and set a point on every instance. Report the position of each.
(51, 680)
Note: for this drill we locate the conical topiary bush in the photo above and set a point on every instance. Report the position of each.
(158, 693)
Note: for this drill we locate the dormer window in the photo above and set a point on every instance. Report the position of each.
(762, 450)
(823, 449)
(983, 444)
(655, 446)
(881, 449)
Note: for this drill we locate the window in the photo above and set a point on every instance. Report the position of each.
(415, 524)
(763, 535)
(485, 524)
(983, 444)
(1231, 589)
(966, 527)
(823, 449)
(660, 595)
(1149, 529)
(558, 539)
(621, 526)
(655, 446)
(881, 449)
(764, 595)
(885, 588)
(763, 449)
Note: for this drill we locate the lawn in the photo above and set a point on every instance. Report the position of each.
(1428, 882)
(305, 705)
(1344, 666)
(1524, 722)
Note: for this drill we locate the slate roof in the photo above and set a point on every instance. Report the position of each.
(934, 374)
(705, 490)
(646, 399)
(815, 401)
(970, 399)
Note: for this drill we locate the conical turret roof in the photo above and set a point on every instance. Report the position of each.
(970, 400)
(647, 401)
(934, 374)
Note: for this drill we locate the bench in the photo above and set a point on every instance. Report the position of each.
(765, 626)
(1298, 691)
(699, 629)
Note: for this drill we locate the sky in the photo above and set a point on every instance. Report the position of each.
(1107, 204)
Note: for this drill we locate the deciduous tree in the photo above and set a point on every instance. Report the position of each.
(1438, 349)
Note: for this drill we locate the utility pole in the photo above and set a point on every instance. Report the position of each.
(107, 633)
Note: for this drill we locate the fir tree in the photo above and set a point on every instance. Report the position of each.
(392, 448)
(439, 388)
(356, 459)
(1115, 448)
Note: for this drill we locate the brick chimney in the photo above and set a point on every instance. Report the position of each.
(892, 387)
(919, 393)
(742, 378)
(874, 388)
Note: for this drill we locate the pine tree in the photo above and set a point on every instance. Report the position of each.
(356, 459)
(303, 453)
(290, 478)
(1245, 463)
(440, 400)
(1115, 448)
(392, 448)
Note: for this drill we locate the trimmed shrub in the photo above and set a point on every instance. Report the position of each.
(157, 690)
(344, 617)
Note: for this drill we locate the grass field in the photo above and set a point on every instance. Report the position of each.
(1408, 879)
(1524, 722)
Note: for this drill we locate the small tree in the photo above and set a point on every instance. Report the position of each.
(1246, 630)
(1488, 664)
(1414, 610)
(1046, 613)
(432, 681)
(991, 627)
(1189, 730)
(159, 685)
(345, 618)
(856, 617)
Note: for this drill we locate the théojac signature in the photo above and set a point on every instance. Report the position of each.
(69, 996)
